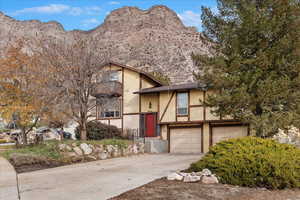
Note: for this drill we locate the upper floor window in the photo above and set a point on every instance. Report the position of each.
(109, 107)
(114, 76)
(182, 103)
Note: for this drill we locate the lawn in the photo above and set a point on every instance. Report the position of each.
(47, 154)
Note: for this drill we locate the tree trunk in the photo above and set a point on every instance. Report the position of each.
(83, 133)
(24, 136)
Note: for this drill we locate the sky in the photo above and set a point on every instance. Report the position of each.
(88, 14)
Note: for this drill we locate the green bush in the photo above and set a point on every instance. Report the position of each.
(98, 131)
(253, 162)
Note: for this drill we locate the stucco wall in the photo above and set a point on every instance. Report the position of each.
(170, 114)
(196, 113)
(182, 119)
(131, 84)
(146, 83)
(131, 121)
(164, 132)
(196, 97)
(116, 122)
(146, 99)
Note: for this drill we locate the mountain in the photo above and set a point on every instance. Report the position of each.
(151, 40)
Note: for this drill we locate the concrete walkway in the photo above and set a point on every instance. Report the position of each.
(8, 181)
(100, 179)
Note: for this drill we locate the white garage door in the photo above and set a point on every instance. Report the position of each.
(185, 140)
(223, 133)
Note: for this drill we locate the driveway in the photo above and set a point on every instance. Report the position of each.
(100, 179)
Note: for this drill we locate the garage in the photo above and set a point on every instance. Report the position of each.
(220, 133)
(185, 140)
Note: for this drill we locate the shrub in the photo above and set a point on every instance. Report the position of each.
(98, 131)
(2, 141)
(253, 162)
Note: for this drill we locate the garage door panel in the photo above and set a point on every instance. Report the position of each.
(223, 133)
(185, 140)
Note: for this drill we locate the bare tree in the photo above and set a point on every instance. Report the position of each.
(23, 95)
(72, 66)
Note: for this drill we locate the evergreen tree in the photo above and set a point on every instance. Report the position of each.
(256, 64)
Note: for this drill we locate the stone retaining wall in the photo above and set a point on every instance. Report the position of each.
(100, 152)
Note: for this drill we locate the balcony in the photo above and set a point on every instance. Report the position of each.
(110, 88)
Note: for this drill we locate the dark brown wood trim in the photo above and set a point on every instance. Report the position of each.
(167, 106)
(210, 135)
(109, 118)
(189, 103)
(202, 140)
(202, 121)
(122, 103)
(183, 127)
(140, 99)
(228, 125)
(196, 106)
(183, 116)
(204, 108)
(182, 122)
(176, 112)
(131, 113)
(248, 130)
(169, 138)
(158, 109)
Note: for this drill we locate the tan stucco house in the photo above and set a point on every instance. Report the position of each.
(137, 101)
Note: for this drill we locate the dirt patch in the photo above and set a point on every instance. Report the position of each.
(176, 190)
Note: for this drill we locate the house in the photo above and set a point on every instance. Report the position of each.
(134, 100)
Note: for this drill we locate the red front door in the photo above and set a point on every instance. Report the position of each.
(150, 125)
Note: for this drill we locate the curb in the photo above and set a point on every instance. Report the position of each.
(8, 181)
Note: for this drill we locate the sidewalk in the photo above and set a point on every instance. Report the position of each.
(8, 181)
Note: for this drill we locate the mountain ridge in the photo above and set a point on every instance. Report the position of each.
(150, 40)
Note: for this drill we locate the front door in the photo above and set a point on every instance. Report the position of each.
(150, 124)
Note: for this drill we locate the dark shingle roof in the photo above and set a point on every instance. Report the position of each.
(187, 86)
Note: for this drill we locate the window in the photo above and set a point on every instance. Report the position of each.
(114, 76)
(109, 107)
(182, 103)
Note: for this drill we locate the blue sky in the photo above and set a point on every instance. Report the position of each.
(87, 14)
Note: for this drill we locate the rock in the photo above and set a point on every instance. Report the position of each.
(190, 179)
(78, 151)
(183, 174)
(209, 179)
(86, 148)
(99, 149)
(116, 153)
(71, 154)
(109, 148)
(62, 147)
(124, 152)
(174, 176)
(92, 157)
(135, 149)
(103, 155)
(206, 172)
(74, 144)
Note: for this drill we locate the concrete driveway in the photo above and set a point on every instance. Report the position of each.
(100, 179)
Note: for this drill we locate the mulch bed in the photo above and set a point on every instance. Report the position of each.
(176, 190)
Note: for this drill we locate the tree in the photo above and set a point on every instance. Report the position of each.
(22, 95)
(73, 68)
(256, 64)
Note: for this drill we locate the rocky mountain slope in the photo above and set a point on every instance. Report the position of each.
(152, 40)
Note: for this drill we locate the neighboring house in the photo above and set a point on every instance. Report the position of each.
(134, 100)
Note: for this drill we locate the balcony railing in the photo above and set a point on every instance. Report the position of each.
(110, 88)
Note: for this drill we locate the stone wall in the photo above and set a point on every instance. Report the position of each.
(99, 151)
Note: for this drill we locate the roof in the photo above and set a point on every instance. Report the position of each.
(148, 75)
(187, 86)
